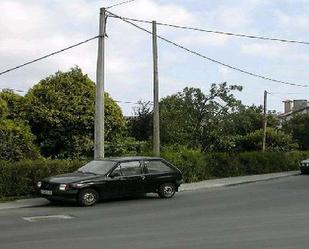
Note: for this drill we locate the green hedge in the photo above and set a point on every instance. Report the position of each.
(19, 178)
(197, 166)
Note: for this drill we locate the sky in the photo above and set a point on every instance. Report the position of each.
(32, 28)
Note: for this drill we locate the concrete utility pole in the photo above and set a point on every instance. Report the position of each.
(156, 116)
(265, 121)
(99, 101)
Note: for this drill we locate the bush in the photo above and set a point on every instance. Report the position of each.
(276, 140)
(192, 163)
(197, 166)
(20, 178)
(16, 141)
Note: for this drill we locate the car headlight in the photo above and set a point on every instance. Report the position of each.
(39, 184)
(63, 187)
(78, 185)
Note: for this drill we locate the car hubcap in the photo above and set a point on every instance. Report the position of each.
(168, 191)
(89, 198)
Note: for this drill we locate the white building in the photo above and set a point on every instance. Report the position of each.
(300, 106)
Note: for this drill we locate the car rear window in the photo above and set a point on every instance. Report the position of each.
(157, 167)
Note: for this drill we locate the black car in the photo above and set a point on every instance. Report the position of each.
(304, 166)
(113, 177)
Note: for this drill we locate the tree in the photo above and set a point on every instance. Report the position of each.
(15, 104)
(248, 119)
(3, 109)
(16, 141)
(140, 125)
(276, 140)
(192, 118)
(298, 127)
(60, 111)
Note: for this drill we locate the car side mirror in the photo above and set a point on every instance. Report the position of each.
(115, 174)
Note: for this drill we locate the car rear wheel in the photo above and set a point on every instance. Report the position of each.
(88, 197)
(167, 190)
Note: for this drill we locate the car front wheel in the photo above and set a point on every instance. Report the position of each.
(167, 190)
(88, 197)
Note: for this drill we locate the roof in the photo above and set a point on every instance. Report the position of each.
(129, 158)
(292, 112)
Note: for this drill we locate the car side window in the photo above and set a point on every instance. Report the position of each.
(117, 171)
(131, 168)
(157, 167)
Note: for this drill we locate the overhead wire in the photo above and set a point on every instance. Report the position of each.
(281, 93)
(48, 55)
(209, 58)
(134, 103)
(219, 32)
(118, 4)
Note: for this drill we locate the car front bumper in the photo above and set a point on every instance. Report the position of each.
(61, 195)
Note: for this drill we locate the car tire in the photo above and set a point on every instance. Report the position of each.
(167, 190)
(87, 197)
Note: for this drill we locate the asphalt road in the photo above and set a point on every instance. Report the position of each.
(271, 214)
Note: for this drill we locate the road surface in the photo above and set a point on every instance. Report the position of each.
(271, 214)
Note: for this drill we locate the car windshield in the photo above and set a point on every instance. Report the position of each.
(97, 167)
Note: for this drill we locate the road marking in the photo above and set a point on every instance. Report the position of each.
(48, 217)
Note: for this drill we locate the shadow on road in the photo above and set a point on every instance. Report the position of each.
(104, 201)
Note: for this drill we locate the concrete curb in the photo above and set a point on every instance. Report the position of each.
(230, 181)
(214, 183)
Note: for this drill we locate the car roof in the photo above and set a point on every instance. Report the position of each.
(129, 158)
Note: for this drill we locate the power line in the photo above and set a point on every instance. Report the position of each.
(118, 4)
(117, 101)
(134, 103)
(48, 55)
(219, 32)
(280, 93)
(211, 59)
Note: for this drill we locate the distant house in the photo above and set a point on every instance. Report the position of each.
(291, 108)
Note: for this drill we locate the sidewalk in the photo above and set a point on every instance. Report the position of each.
(222, 182)
(229, 181)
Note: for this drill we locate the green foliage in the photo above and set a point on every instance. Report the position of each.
(192, 163)
(16, 141)
(3, 109)
(247, 120)
(298, 126)
(248, 163)
(20, 178)
(140, 125)
(15, 104)
(276, 140)
(197, 166)
(60, 110)
(192, 118)
(125, 147)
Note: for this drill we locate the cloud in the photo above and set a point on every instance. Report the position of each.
(228, 17)
(32, 28)
(266, 50)
(299, 22)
